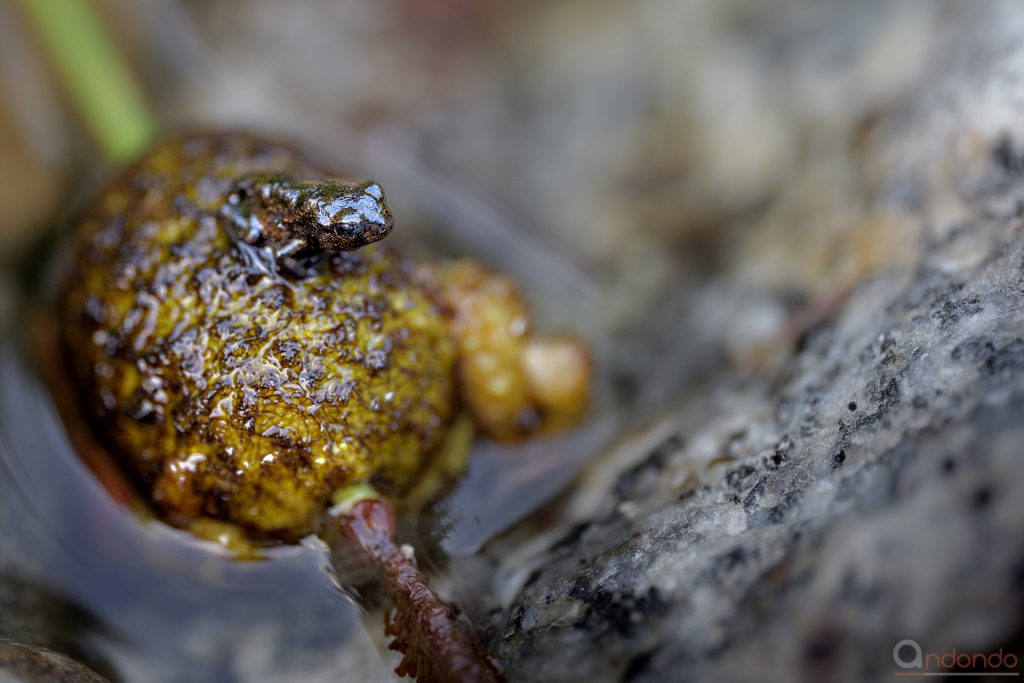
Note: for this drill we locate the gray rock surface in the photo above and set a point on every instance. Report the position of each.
(796, 523)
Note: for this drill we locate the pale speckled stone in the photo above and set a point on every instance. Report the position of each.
(797, 523)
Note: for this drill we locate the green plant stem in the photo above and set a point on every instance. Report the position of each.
(97, 79)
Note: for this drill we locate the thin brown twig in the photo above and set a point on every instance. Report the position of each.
(437, 647)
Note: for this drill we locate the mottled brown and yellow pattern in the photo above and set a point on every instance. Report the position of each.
(247, 395)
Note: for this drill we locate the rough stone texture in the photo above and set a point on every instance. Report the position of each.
(797, 523)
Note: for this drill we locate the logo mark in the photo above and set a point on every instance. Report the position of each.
(913, 660)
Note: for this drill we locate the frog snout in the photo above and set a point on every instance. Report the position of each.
(372, 210)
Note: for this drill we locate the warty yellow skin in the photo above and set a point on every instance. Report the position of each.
(242, 390)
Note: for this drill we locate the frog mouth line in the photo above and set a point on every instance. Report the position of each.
(361, 228)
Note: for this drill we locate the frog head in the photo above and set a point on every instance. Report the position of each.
(348, 215)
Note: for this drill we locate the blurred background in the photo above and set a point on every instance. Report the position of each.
(693, 185)
(649, 145)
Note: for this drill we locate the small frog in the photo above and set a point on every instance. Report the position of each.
(280, 221)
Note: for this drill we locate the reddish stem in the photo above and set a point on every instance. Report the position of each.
(436, 646)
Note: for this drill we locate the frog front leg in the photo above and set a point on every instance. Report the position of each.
(248, 217)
